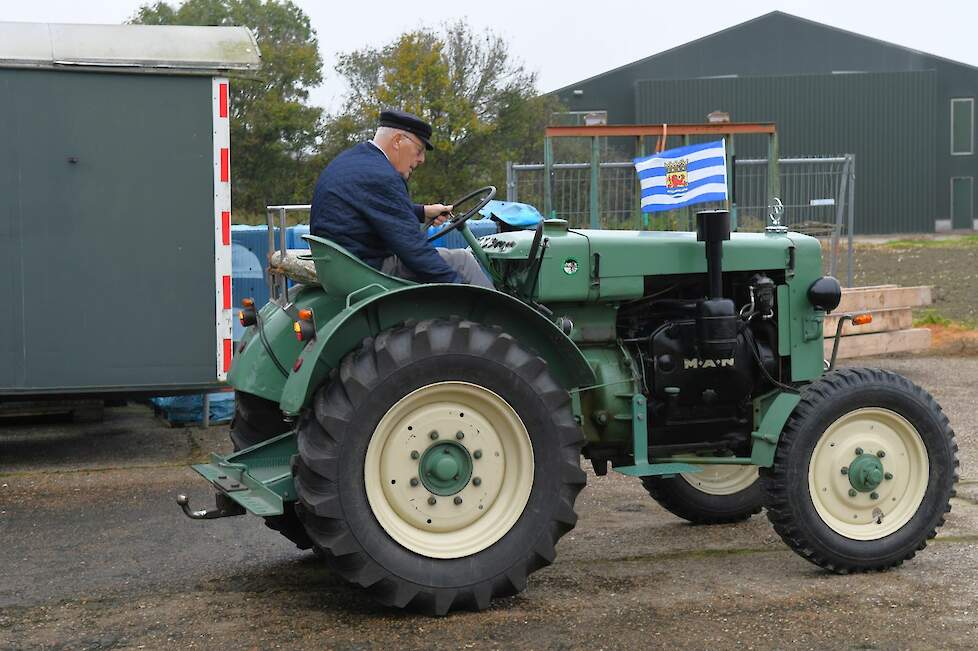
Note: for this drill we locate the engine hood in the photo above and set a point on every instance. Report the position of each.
(610, 264)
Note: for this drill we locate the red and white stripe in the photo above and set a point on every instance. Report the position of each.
(222, 225)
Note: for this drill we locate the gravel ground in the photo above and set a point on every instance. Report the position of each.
(96, 555)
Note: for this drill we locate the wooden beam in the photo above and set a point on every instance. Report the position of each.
(880, 343)
(895, 318)
(872, 298)
(852, 289)
(718, 128)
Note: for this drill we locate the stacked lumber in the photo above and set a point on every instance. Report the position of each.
(892, 328)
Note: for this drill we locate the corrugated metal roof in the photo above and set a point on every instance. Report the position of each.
(772, 17)
(167, 49)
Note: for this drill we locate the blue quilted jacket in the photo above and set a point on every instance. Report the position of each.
(362, 204)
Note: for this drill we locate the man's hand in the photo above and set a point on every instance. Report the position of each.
(439, 211)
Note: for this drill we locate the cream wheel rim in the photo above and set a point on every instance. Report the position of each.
(489, 476)
(893, 448)
(717, 479)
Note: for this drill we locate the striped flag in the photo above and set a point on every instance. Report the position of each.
(683, 176)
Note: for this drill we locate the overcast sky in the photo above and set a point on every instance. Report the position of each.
(571, 40)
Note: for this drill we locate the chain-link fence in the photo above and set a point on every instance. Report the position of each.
(817, 194)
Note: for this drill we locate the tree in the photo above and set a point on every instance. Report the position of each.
(484, 108)
(274, 134)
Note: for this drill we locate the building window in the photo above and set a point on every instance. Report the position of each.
(962, 126)
(962, 201)
(579, 118)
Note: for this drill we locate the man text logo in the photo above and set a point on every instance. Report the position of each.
(693, 362)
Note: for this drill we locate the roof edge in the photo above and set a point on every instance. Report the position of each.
(161, 49)
(752, 20)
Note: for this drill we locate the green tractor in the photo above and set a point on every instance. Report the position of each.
(425, 439)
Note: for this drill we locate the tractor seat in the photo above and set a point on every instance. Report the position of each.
(341, 273)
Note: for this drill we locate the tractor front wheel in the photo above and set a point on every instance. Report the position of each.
(863, 473)
(718, 494)
(439, 466)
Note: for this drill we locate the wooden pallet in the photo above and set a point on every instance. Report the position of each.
(891, 330)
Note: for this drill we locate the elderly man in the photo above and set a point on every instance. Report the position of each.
(361, 202)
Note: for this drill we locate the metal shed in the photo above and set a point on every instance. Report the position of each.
(115, 200)
(908, 116)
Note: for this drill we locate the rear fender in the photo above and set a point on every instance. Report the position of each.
(253, 369)
(372, 315)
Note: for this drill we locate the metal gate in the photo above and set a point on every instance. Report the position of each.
(817, 194)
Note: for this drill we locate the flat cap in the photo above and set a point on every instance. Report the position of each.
(407, 122)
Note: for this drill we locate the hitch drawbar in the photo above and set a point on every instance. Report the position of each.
(255, 480)
(226, 508)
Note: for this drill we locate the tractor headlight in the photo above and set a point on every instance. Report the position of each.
(825, 293)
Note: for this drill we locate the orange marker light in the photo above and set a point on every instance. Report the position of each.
(248, 315)
(305, 315)
(304, 330)
(862, 319)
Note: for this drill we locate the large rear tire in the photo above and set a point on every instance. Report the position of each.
(255, 420)
(719, 494)
(863, 473)
(439, 466)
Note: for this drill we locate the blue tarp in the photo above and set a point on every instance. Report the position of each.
(518, 215)
(190, 409)
(454, 240)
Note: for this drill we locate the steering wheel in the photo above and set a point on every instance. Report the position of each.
(484, 195)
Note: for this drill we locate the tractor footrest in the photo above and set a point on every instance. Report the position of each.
(656, 469)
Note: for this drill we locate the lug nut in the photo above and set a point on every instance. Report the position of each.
(415, 454)
(432, 501)
(476, 481)
(881, 454)
(845, 470)
(414, 481)
(874, 495)
(852, 492)
(460, 435)
(888, 475)
(457, 500)
(433, 435)
(477, 454)
(859, 451)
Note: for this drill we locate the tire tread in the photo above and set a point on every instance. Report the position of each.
(775, 481)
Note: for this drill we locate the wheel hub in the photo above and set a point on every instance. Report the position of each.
(867, 501)
(866, 473)
(449, 469)
(445, 468)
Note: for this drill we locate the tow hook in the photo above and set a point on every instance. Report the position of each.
(226, 508)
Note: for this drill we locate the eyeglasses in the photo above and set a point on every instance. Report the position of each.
(417, 144)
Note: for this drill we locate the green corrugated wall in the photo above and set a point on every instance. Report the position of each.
(887, 120)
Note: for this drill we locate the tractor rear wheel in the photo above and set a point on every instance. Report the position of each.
(255, 420)
(863, 473)
(719, 494)
(439, 466)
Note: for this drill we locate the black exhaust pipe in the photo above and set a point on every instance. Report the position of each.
(713, 228)
(716, 318)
